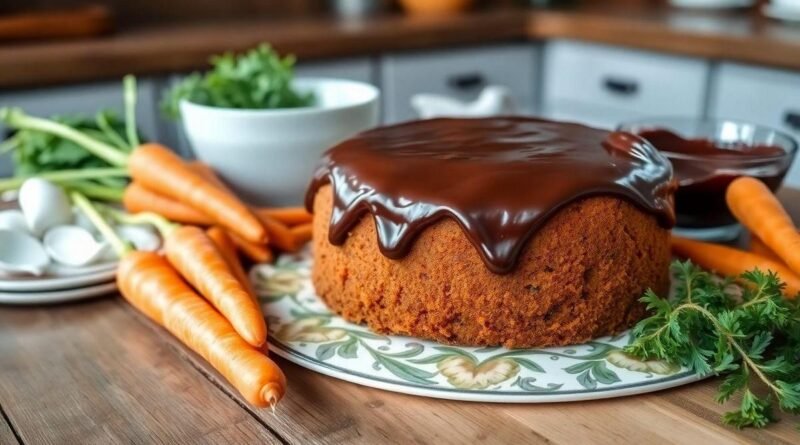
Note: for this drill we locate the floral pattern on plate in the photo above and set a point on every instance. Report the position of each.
(304, 331)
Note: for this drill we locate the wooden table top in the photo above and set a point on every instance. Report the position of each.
(98, 372)
(739, 36)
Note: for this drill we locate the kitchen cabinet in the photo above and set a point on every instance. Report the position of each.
(362, 69)
(87, 98)
(603, 85)
(762, 95)
(457, 73)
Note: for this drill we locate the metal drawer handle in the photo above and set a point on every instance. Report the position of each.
(621, 86)
(466, 81)
(792, 119)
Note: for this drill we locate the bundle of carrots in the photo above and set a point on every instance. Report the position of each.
(776, 241)
(198, 289)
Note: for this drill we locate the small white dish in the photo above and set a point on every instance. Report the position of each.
(73, 246)
(494, 100)
(57, 296)
(51, 283)
(22, 254)
(304, 331)
(275, 150)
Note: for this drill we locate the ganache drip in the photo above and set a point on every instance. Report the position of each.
(499, 178)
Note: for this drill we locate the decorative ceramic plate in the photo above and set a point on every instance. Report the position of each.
(305, 332)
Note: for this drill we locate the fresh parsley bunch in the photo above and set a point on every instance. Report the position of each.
(257, 79)
(749, 333)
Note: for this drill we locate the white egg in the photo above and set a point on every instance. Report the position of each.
(73, 246)
(13, 220)
(22, 254)
(44, 205)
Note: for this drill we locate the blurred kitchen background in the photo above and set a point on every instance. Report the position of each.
(599, 62)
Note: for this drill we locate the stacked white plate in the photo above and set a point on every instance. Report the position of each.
(60, 284)
(786, 10)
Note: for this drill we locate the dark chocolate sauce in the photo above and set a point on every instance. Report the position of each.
(700, 198)
(499, 178)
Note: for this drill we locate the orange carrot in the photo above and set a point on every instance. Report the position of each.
(733, 262)
(279, 235)
(759, 248)
(277, 231)
(258, 253)
(137, 199)
(757, 208)
(301, 233)
(291, 216)
(206, 171)
(228, 250)
(153, 287)
(162, 171)
(193, 254)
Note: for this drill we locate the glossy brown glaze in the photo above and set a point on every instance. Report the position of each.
(499, 178)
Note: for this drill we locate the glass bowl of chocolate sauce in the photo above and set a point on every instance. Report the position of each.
(706, 156)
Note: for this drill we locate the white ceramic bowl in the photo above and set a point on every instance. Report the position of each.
(268, 156)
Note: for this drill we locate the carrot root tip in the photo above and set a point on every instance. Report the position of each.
(271, 395)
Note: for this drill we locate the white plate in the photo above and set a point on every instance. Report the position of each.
(784, 13)
(58, 296)
(303, 331)
(63, 278)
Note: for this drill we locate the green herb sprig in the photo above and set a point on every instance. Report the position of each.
(257, 79)
(749, 333)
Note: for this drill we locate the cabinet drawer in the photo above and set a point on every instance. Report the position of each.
(643, 83)
(87, 99)
(459, 73)
(760, 95)
(361, 69)
(588, 114)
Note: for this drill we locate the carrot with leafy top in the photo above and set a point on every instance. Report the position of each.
(258, 253)
(138, 198)
(733, 262)
(291, 216)
(228, 250)
(279, 234)
(759, 248)
(161, 170)
(194, 255)
(758, 209)
(302, 233)
(151, 285)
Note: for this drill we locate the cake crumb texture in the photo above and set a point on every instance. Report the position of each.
(579, 277)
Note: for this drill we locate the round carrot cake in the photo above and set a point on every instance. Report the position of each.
(508, 231)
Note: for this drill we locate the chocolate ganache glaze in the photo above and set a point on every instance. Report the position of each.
(499, 178)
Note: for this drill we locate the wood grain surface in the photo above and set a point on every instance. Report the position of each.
(168, 47)
(99, 372)
(91, 372)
